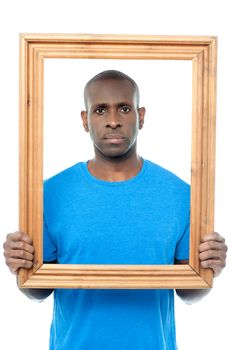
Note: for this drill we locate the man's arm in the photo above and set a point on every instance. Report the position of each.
(19, 252)
(190, 296)
(36, 294)
(212, 254)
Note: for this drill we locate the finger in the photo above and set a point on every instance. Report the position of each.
(18, 254)
(20, 245)
(15, 264)
(18, 240)
(213, 236)
(215, 265)
(20, 236)
(212, 254)
(212, 245)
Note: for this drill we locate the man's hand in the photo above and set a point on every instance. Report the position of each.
(213, 252)
(18, 251)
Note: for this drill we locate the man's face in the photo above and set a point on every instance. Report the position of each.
(112, 117)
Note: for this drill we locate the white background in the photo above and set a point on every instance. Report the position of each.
(25, 324)
(165, 90)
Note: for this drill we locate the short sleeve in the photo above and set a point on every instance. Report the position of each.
(49, 248)
(182, 247)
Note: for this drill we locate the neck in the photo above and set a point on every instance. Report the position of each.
(115, 169)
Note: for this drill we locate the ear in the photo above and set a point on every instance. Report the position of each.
(85, 121)
(141, 112)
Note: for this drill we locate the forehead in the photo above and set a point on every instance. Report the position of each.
(103, 91)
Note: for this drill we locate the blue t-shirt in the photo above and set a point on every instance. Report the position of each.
(143, 220)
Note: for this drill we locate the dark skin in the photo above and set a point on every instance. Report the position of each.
(113, 120)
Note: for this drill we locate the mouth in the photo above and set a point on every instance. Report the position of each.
(114, 138)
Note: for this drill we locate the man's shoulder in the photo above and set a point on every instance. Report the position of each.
(164, 174)
(65, 175)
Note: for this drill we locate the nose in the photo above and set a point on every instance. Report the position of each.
(113, 120)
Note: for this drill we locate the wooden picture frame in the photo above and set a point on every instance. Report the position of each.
(34, 49)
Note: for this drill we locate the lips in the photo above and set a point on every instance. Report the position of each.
(114, 136)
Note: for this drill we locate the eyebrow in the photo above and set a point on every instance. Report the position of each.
(106, 105)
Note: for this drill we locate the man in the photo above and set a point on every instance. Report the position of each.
(115, 208)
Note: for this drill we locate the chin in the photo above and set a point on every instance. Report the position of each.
(114, 154)
(117, 154)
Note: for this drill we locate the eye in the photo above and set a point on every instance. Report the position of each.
(125, 109)
(100, 110)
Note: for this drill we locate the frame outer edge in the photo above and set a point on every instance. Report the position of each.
(82, 37)
(29, 276)
(23, 165)
(211, 144)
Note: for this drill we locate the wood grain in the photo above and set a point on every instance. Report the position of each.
(34, 49)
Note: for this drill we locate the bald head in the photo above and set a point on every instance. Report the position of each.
(111, 75)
